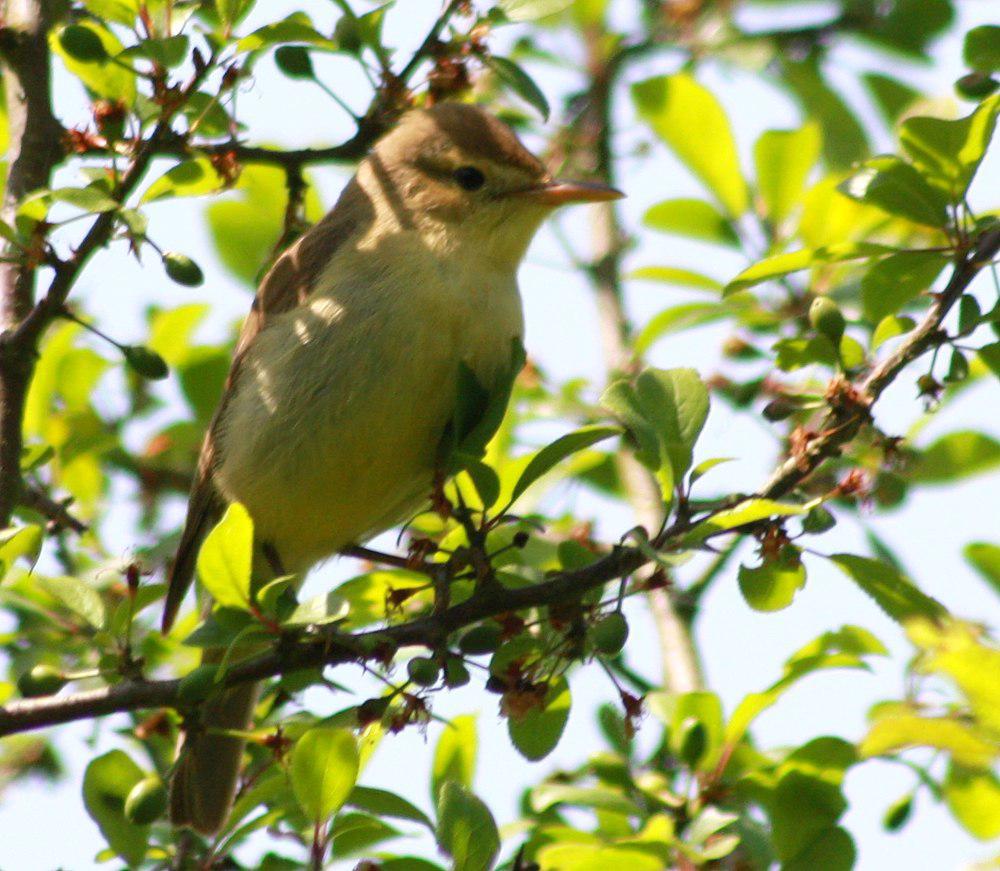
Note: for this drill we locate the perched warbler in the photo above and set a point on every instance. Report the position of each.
(344, 377)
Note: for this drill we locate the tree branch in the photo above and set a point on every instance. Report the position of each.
(329, 647)
(33, 152)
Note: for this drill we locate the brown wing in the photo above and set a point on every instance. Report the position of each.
(286, 286)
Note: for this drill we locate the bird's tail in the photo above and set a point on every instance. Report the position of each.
(205, 776)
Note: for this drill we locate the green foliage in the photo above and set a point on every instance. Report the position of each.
(323, 770)
(840, 274)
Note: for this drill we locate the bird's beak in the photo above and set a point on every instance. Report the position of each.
(557, 192)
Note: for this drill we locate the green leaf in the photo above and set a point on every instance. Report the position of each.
(466, 830)
(894, 732)
(985, 558)
(956, 456)
(531, 10)
(675, 401)
(536, 733)
(520, 83)
(319, 610)
(680, 713)
(891, 96)
(948, 153)
(77, 595)
(898, 188)
(455, 755)
(843, 648)
(889, 328)
(191, 178)
(973, 796)
(598, 798)
(323, 769)
(892, 591)
(118, 11)
(170, 52)
(695, 219)
(106, 784)
(230, 11)
(784, 159)
(245, 230)
(21, 542)
(770, 267)
(568, 856)
(353, 833)
(676, 275)
(982, 48)
(294, 62)
(831, 849)
(896, 280)
(686, 116)
(675, 319)
(844, 140)
(773, 584)
(383, 803)
(225, 559)
(99, 75)
(296, 28)
(564, 446)
(81, 44)
(89, 199)
(748, 511)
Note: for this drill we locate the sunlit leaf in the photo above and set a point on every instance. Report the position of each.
(455, 755)
(784, 159)
(691, 121)
(101, 76)
(695, 219)
(551, 455)
(773, 584)
(956, 456)
(225, 559)
(973, 796)
(324, 767)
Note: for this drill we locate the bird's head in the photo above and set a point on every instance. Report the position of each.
(461, 178)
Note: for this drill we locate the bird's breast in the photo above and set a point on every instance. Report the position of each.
(337, 413)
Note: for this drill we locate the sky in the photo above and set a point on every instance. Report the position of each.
(743, 650)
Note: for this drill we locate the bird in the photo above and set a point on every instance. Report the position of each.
(344, 375)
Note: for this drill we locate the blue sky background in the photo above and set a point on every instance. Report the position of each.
(44, 827)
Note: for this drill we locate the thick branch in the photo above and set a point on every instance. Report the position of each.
(33, 152)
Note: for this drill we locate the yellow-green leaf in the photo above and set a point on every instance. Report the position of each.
(693, 123)
(226, 558)
(784, 159)
(323, 770)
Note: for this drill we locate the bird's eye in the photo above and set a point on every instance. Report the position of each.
(469, 178)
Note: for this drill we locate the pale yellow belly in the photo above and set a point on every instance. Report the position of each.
(334, 429)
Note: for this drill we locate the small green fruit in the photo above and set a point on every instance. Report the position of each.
(42, 680)
(481, 639)
(609, 634)
(827, 319)
(145, 362)
(182, 269)
(423, 671)
(146, 801)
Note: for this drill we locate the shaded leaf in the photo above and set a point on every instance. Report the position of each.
(536, 733)
(551, 455)
(892, 591)
(520, 83)
(466, 830)
(896, 280)
(956, 456)
(106, 784)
